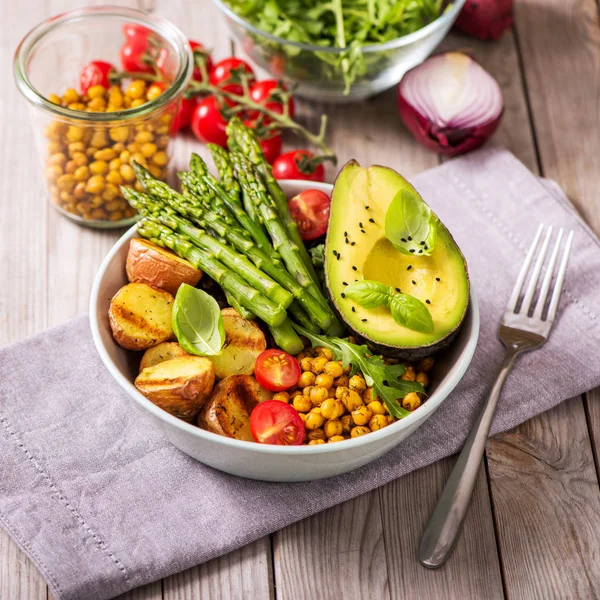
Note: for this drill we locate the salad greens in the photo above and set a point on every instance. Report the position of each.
(406, 310)
(349, 24)
(197, 321)
(384, 379)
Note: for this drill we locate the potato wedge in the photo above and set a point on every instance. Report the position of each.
(160, 353)
(140, 316)
(159, 267)
(244, 341)
(227, 412)
(180, 385)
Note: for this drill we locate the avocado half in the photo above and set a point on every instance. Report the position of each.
(357, 248)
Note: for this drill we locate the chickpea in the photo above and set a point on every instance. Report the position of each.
(97, 105)
(166, 118)
(154, 92)
(341, 391)
(342, 381)
(409, 375)
(336, 438)
(361, 415)
(83, 208)
(316, 434)
(334, 369)
(114, 177)
(89, 152)
(301, 403)
(136, 89)
(106, 154)
(411, 401)
(422, 379)
(125, 156)
(333, 428)
(74, 134)
(137, 102)
(55, 99)
(119, 134)
(82, 173)
(369, 395)
(332, 408)
(282, 397)
(71, 167)
(376, 407)
(53, 172)
(54, 147)
(118, 147)
(318, 395)
(95, 184)
(426, 364)
(98, 140)
(96, 91)
(350, 399)
(162, 130)
(306, 363)
(347, 370)
(114, 164)
(324, 380)
(144, 137)
(358, 431)
(347, 423)
(331, 392)
(70, 96)
(155, 171)
(318, 365)
(325, 352)
(162, 141)
(96, 201)
(66, 183)
(316, 442)
(138, 186)
(111, 192)
(160, 158)
(58, 159)
(99, 167)
(357, 383)
(79, 191)
(306, 379)
(80, 159)
(127, 173)
(98, 214)
(139, 158)
(379, 422)
(67, 196)
(314, 419)
(302, 416)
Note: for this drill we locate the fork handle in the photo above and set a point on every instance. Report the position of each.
(445, 523)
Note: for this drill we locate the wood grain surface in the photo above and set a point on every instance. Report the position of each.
(532, 530)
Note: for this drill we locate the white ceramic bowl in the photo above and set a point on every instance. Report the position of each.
(262, 461)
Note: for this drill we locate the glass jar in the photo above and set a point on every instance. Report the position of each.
(87, 147)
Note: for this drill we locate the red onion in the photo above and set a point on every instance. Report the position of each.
(450, 103)
(485, 19)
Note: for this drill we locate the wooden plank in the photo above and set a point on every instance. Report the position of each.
(547, 506)
(592, 406)
(19, 579)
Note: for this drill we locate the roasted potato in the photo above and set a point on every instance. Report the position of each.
(244, 341)
(180, 385)
(227, 412)
(140, 316)
(160, 353)
(151, 264)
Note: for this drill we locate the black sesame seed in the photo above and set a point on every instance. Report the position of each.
(403, 239)
(362, 231)
(398, 290)
(420, 251)
(364, 320)
(353, 309)
(354, 268)
(343, 295)
(412, 250)
(371, 220)
(344, 283)
(345, 234)
(437, 279)
(367, 207)
(409, 267)
(386, 382)
(427, 301)
(352, 243)
(360, 225)
(414, 282)
(421, 243)
(347, 242)
(335, 252)
(409, 239)
(426, 247)
(338, 256)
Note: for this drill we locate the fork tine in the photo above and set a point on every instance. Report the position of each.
(537, 313)
(537, 269)
(560, 278)
(514, 297)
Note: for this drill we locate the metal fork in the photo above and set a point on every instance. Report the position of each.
(519, 332)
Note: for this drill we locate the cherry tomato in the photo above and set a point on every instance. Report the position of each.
(197, 72)
(132, 55)
(310, 210)
(96, 72)
(184, 115)
(208, 123)
(277, 65)
(270, 142)
(276, 370)
(224, 71)
(261, 92)
(132, 30)
(274, 422)
(288, 166)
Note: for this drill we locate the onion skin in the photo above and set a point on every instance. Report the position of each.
(485, 19)
(447, 141)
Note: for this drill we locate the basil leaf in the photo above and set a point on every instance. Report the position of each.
(197, 322)
(410, 225)
(410, 312)
(368, 294)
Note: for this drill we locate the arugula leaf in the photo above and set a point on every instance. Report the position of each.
(410, 312)
(384, 379)
(410, 225)
(197, 322)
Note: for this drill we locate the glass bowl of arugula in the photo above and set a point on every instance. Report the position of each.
(342, 50)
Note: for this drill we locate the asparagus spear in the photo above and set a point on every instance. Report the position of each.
(252, 299)
(286, 338)
(228, 181)
(243, 312)
(243, 138)
(236, 262)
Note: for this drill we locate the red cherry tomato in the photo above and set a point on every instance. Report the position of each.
(277, 65)
(184, 115)
(270, 144)
(310, 210)
(96, 72)
(132, 55)
(275, 422)
(208, 123)
(287, 166)
(224, 72)
(261, 92)
(134, 30)
(276, 370)
(197, 72)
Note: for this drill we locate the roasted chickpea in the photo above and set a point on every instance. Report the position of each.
(114, 164)
(347, 423)
(351, 400)
(136, 89)
(80, 159)
(316, 434)
(127, 173)
(66, 183)
(336, 438)
(70, 96)
(55, 99)
(74, 134)
(305, 363)
(379, 422)
(143, 137)
(324, 380)
(306, 379)
(333, 428)
(316, 442)
(318, 395)
(426, 364)
(160, 158)
(106, 154)
(409, 375)
(82, 173)
(318, 365)
(57, 159)
(95, 184)
(154, 91)
(119, 134)
(358, 431)
(325, 352)
(314, 419)
(302, 416)
(342, 381)
(331, 392)
(114, 177)
(357, 383)
(97, 105)
(334, 369)
(369, 395)
(53, 172)
(361, 415)
(96, 91)
(137, 102)
(332, 408)
(282, 397)
(411, 401)
(376, 407)
(301, 403)
(99, 167)
(422, 379)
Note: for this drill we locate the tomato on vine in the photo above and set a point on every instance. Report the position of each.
(298, 164)
(225, 74)
(265, 92)
(133, 54)
(208, 124)
(270, 141)
(94, 73)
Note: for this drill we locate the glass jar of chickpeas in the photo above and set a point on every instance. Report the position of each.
(88, 138)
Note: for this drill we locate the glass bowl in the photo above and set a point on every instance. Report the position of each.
(315, 70)
(87, 154)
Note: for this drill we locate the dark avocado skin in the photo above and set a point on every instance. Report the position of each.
(409, 353)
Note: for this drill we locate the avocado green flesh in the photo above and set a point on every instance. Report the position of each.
(375, 258)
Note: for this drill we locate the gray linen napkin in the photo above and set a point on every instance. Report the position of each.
(102, 503)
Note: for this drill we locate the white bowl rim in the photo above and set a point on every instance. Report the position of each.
(404, 40)
(450, 381)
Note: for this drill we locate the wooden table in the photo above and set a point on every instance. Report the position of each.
(533, 530)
